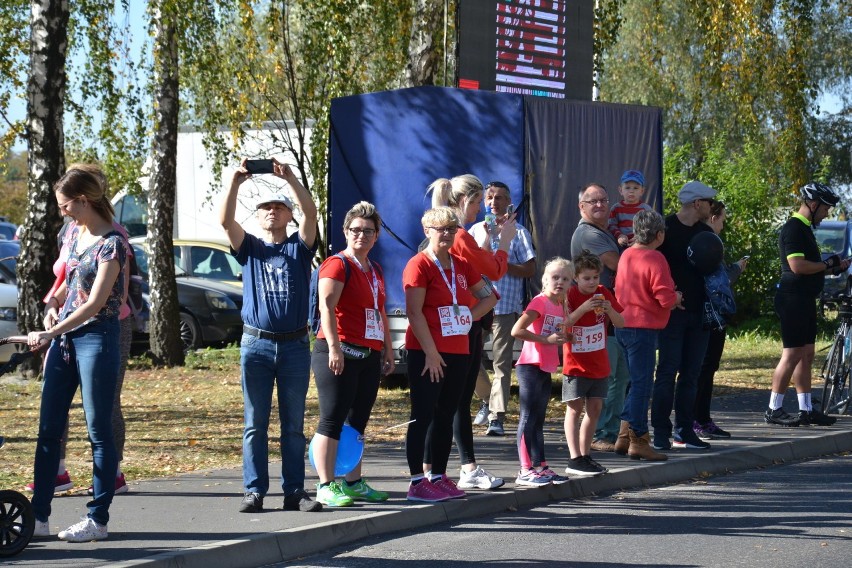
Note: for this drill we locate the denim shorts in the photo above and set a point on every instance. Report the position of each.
(581, 387)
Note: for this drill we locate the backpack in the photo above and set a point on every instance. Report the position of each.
(314, 317)
(720, 299)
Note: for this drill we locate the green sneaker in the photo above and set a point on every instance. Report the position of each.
(363, 492)
(332, 496)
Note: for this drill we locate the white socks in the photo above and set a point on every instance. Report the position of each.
(804, 401)
(776, 400)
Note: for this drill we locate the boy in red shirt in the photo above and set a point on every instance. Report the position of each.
(585, 362)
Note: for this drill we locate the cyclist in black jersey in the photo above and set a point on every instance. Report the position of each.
(802, 275)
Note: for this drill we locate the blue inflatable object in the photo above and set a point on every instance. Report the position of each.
(349, 451)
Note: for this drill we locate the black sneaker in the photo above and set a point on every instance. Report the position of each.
(301, 501)
(252, 503)
(815, 418)
(686, 438)
(595, 464)
(780, 418)
(662, 442)
(580, 466)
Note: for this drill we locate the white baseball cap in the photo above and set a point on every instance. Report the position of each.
(277, 198)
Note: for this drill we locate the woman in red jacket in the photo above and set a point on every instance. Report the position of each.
(464, 194)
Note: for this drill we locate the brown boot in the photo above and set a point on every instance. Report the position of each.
(622, 443)
(640, 448)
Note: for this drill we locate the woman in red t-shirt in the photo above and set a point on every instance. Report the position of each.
(352, 350)
(463, 194)
(444, 295)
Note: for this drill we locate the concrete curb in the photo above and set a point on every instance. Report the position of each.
(289, 544)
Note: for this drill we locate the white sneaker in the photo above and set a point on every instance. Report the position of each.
(479, 479)
(86, 530)
(481, 418)
(42, 529)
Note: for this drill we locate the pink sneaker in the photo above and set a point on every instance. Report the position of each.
(447, 485)
(120, 486)
(62, 483)
(426, 491)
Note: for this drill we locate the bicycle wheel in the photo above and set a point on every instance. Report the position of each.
(831, 370)
(837, 397)
(17, 523)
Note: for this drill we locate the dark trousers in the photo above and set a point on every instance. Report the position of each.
(715, 347)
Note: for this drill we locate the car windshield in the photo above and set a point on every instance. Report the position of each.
(142, 262)
(832, 240)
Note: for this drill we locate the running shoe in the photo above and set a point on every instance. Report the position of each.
(481, 418)
(449, 487)
(532, 478)
(479, 478)
(86, 530)
(426, 491)
(709, 431)
(251, 503)
(332, 495)
(120, 486)
(495, 428)
(363, 492)
(553, 477)
(596, 465)
(299, 500)
(62, 483)
(579, 466)
(686, 438)
(815, 418)
(780, 418)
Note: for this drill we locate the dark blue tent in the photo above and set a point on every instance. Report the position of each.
(388, 147)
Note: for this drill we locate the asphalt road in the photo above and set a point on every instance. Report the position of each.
(797, 514)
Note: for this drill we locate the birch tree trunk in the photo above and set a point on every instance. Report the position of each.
(166, 345)
(423, 53)
(45, 160)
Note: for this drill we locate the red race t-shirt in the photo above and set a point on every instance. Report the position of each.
(587, 357)
(422, 272)
(356, 298)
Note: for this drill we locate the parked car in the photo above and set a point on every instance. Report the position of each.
(835, 237)
(7, 230)
(8, 313)
(8, 295)
(204, 259)
(209, 309)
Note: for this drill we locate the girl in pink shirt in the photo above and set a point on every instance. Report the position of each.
(543, 333)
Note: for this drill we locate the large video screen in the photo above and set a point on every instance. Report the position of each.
(527, 47)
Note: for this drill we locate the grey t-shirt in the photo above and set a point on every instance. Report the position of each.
(597, 241)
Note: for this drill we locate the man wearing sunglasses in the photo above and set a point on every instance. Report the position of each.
(274, 350)
(683, 342)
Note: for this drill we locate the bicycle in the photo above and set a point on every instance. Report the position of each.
(836, 369)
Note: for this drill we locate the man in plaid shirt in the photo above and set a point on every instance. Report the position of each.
(512, 288)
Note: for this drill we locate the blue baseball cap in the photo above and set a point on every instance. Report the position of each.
(633, 175)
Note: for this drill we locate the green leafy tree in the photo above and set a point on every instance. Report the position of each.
(278, 65)
(751, 70)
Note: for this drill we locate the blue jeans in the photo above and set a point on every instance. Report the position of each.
(88, 358)
(286, 365)
(619, 377)
(683, 343)
(640, 348)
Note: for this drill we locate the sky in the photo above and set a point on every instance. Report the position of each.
(135, 16)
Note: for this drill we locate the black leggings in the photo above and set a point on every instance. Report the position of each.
(348, 397)
(462, 422)
(429, 437)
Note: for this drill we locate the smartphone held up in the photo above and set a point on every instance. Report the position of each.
(259, 166)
